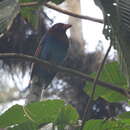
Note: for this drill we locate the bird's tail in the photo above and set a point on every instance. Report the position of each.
(37, 88)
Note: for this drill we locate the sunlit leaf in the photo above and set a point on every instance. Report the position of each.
(45, 111)
(25, 126)
(50, 111)
(13, 116)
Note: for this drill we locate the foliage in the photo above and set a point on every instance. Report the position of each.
(39, 113)
(121, 122)
(30, 13)
(116, 28)
(111, 73)
(41, 1)
(10, 8)
(107, 125)
(35, 115)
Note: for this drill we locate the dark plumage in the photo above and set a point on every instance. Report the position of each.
(53, 48)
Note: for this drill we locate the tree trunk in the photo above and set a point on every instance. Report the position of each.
(76, 30)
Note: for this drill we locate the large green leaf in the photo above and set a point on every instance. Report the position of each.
(111, 73)
(68, 115)
(15, 115)
(25, 126)
(106, 125)
(44, 112)
(50, 111)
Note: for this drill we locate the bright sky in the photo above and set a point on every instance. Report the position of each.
(92, 31)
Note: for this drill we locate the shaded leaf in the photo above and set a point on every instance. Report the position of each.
(124, 115)
(54, 1)
(106, 125)
(30, 14)
(117, 23)
(68, 115)
(111, 73)
(57, 1)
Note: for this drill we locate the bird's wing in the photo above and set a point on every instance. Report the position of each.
(37, 52)
(40, 45)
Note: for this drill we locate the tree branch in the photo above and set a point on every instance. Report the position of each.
(86, 111)
(65, 70)
(27, 4)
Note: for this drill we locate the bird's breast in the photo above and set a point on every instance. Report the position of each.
(55, 47)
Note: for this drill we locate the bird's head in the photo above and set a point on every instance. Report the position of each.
(60, 27)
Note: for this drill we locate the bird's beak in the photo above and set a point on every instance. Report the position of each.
(66, 26)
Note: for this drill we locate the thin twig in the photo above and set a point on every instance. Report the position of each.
(86, 112)
(27, 4)
(65, 70)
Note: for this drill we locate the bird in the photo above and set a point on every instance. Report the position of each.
(53, 47)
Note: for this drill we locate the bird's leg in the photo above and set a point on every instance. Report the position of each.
(42, 94)
(45, 86)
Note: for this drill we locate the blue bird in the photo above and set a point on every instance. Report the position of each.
(53, 48)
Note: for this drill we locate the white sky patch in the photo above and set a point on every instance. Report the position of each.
(6, 106)
(127, 108)
(92, 31)
(56, 16)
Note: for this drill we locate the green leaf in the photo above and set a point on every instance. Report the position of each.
(25, 126)
(124, 115)
(117, 24)
(40, 1)
(54, 1)
(68, 115)
(111, 73)
(50, 111)
(57, 1)
(45, 111)
(22, 1)
(13, 116)
(30, 14)
(106, 125)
